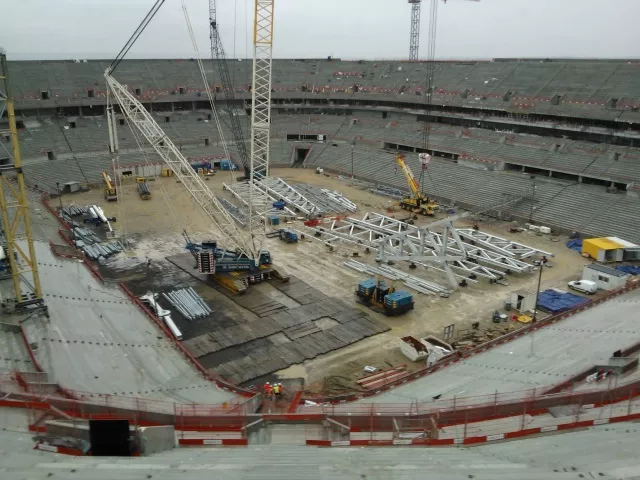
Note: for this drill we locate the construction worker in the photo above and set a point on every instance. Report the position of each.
(281, 389)
(268, 390)
(276, 391)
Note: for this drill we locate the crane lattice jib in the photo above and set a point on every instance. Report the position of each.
(411, 180)
(179, 165)
(218, 54)
(261, 104)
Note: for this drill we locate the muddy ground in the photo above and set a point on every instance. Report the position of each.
(155, 227)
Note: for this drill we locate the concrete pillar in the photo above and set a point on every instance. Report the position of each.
(579, 178)
(80, 111)
(550, 173)
(193, 106)
(173, 109)
(522, 169)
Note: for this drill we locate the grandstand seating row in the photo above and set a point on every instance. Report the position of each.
(619, 164)
(585, 86)
(567, 205)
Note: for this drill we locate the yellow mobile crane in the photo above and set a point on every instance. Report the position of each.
(110, 194)
(417, 202)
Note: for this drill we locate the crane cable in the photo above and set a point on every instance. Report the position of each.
(141, 28)
(206, 86)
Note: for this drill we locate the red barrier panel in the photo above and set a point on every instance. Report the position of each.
(191, 442)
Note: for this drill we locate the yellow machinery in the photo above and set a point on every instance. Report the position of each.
(143, 188)
(166, 172)
(14, 210)
(110, 194)
(417, 202)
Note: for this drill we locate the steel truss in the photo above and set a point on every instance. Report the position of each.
(414, 33)
(500, 245)
(135, 112)
(262, 205)
(367, 233)
(473, 252)
(260, 109)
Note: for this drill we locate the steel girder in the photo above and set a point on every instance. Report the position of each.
(281, 190)
(262, 205)
(501, 245)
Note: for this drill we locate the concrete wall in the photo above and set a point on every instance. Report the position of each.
(156, 439)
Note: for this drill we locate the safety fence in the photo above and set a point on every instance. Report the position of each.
(431, 432)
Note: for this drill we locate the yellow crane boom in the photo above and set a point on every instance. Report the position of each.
(110, 194)
(417, 202)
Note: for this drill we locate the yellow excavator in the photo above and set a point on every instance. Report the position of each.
(417, 202)
(110, 194)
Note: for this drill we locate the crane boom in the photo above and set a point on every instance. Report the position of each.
(220, 59)
(149, 128)
(411, 180)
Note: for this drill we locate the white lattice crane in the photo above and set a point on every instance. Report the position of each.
(248, 243)
(414, 31)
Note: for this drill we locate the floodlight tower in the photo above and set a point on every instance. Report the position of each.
(414, 35)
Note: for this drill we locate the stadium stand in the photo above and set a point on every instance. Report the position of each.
(367, 110)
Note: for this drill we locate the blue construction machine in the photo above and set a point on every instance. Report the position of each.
(212, 260)
(383, 298)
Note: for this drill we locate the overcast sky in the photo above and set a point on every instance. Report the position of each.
(350, 29)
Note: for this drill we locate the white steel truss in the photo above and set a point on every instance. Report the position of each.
(135, 112)
(260, 108)
(392, 226)
(262, 205)
(367, 233)
(281, 190)
(501, 245)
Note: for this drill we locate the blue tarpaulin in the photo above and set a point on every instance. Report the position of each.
(554, 302)
(575, 244)
(629, 269)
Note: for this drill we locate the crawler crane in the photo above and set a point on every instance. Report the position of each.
(417, 202)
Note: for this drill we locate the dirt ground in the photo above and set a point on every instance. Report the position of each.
(156, 226)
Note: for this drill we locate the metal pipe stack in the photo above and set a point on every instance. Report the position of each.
(188, 303)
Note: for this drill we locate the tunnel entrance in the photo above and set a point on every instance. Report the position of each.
(300, 154)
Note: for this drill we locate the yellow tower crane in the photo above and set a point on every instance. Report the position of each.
(14, 209)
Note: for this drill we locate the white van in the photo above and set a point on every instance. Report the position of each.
(584, 286)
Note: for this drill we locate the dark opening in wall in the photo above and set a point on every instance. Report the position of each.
(181, 90)
(208, 116)
(5, 161)
(384, 114)
(44, 95)
(91, 93)
(72, 124)
(206, 142)
(51, 155)
(303, 88)
(167, 119)
(138, 91)
(355, 88)
(121, 121)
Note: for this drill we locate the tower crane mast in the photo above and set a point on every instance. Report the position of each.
(220, 60)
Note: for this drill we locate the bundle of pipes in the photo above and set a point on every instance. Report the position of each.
(188, 303)
(75, 210)
(93, 246)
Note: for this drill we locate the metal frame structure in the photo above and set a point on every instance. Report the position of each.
(414, 35)
(15, 210)
(501, 245)
(171, 155)
(260, 107)
(262, 204)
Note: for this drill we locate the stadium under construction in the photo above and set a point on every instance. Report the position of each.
(288, 254)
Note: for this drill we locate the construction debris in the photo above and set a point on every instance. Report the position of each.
(188, 303)
(468, 339)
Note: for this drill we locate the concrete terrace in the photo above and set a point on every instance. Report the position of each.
(604, 452)
(97, 341)
(584, 87)
(549, 356)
